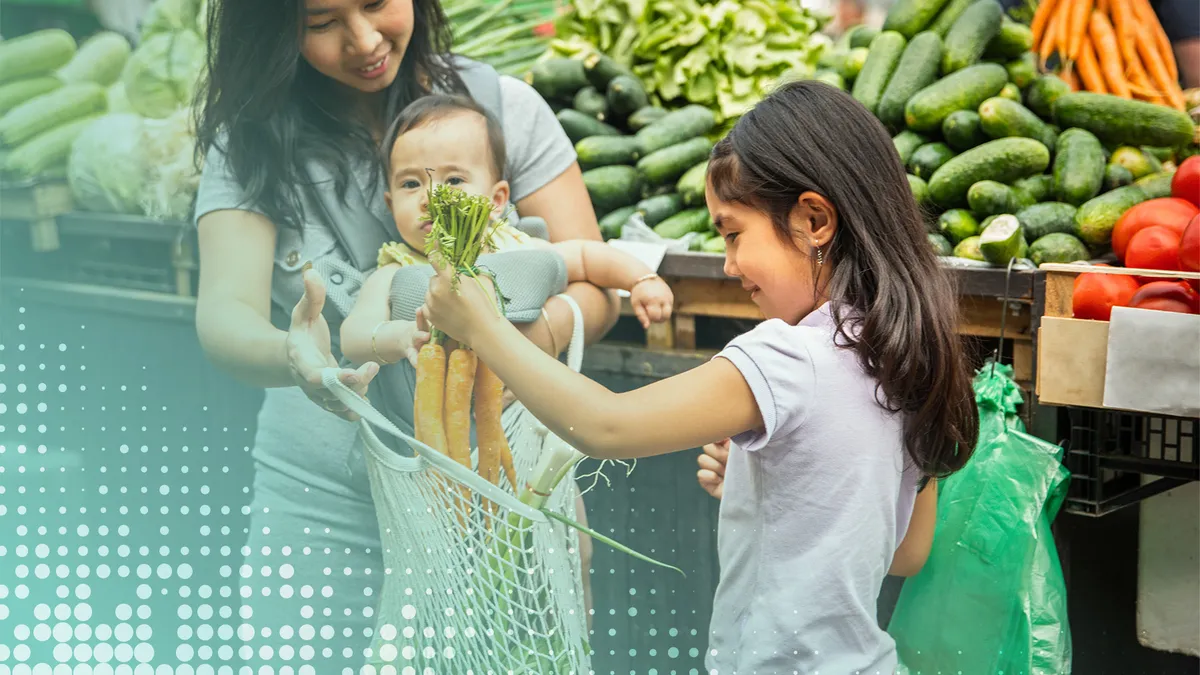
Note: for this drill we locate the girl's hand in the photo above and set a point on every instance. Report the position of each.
(712, 468)
(309, 351)
(651, 301)
(459, 313)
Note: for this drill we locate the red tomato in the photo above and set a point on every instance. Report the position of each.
(1189, 246)
(1154, 248)
(1186, 183)
(1096, 294)
(1166, 211)
(1167, 296)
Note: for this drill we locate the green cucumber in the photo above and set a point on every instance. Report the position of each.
(1013, 40)
(580, 126)
(600, 69)
(1003, 118)
(1156, 185)
(1022, 71)
(691, 220)
(969, 249)
(906, 143)
(1117, 120)
(942, 23)
(884, 54)
(1040, 187)
(657, 209)
(990, 198)
(645, 116)
(909, 17)
(595, 151)
(1010, 92)
(1042, 94)
(1058, 247)
(1134, 159)
(612, 187)
(919, 188)
(831, 78)
(669, 164)
(852, 64)
(917, 69)
(1078, 167)
(1095, 219)
(970, 35)
(612, 224)
(692, 184)
(962, 90)
(626, 95)
(557, 78)
(676, 127)
(1004, 160)
(591, 103)
(958, 224)
(928, 158)
(1002, 240)
(714, 245)
(962, 130)
(1116, 176)
(1044, 218)
(941, 245)
(861, 36)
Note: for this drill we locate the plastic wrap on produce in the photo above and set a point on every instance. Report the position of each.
(170, 146)
(107, 169)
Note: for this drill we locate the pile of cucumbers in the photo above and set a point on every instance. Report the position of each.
(636, 157)
(1004, 161)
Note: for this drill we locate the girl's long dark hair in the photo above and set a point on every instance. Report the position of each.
(270, 112)
(892, 303)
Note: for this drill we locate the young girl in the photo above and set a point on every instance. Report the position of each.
(853, 388)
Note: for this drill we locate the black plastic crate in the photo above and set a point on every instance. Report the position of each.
(1109, 454)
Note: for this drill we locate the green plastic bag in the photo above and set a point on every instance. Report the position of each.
(991, 598)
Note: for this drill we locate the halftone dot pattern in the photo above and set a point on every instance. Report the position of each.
(138, 535)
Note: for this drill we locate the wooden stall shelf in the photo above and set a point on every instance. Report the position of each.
(38, 203)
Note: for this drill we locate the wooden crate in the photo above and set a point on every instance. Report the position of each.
(1073, 353)
(37, 203)
(108, 250)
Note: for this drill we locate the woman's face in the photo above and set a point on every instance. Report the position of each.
(357, 42)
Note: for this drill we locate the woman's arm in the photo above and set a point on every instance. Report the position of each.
(914, 550)
(233, 302)
(567, 209)
(662, 417)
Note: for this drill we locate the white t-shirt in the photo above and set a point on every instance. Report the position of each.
(813, 509)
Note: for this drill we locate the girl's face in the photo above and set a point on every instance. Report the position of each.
(358, 43)
(778, 272)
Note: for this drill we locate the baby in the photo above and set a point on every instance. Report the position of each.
(452, 140)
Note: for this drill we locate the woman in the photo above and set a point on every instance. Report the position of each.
(298, 97)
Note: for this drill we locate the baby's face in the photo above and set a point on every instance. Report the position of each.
(453, 150)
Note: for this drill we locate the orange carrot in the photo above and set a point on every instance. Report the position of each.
(1089, 69)
(1146, 16)
(1041, 19)
(1077, 30)
(1070, 78)
(428, 401)
(460, 380)
(1157, 69)
(489, 431)
(1105, 41)
(1102, 6)
(1050, 40)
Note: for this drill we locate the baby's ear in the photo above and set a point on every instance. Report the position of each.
(500, 195)
(387, 197)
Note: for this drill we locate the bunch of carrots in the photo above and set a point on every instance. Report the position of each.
(462, 228)
(1113, 47)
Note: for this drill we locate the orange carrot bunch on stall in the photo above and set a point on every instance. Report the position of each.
(1113, 47)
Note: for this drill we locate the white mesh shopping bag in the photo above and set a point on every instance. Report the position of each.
(473, 590)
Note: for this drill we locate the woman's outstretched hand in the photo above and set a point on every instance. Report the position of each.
(309, 351)
(711, 475)
(459, 312)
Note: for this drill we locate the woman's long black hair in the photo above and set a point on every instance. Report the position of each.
(892, 302)
(270, 112)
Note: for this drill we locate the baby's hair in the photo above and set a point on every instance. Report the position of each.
(436, 106)
(892, 302)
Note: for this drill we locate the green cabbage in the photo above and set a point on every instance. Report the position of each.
(170, 16)
(107, 170)
(163, 72)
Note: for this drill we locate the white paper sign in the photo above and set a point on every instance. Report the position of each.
(1153, 362)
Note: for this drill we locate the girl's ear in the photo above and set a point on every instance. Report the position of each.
(814, 220)
(500, 195)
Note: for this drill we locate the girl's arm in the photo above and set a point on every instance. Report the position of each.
(566, 207)
(914, 550)
(668, 415)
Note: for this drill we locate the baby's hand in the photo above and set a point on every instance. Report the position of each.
(652, 300)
